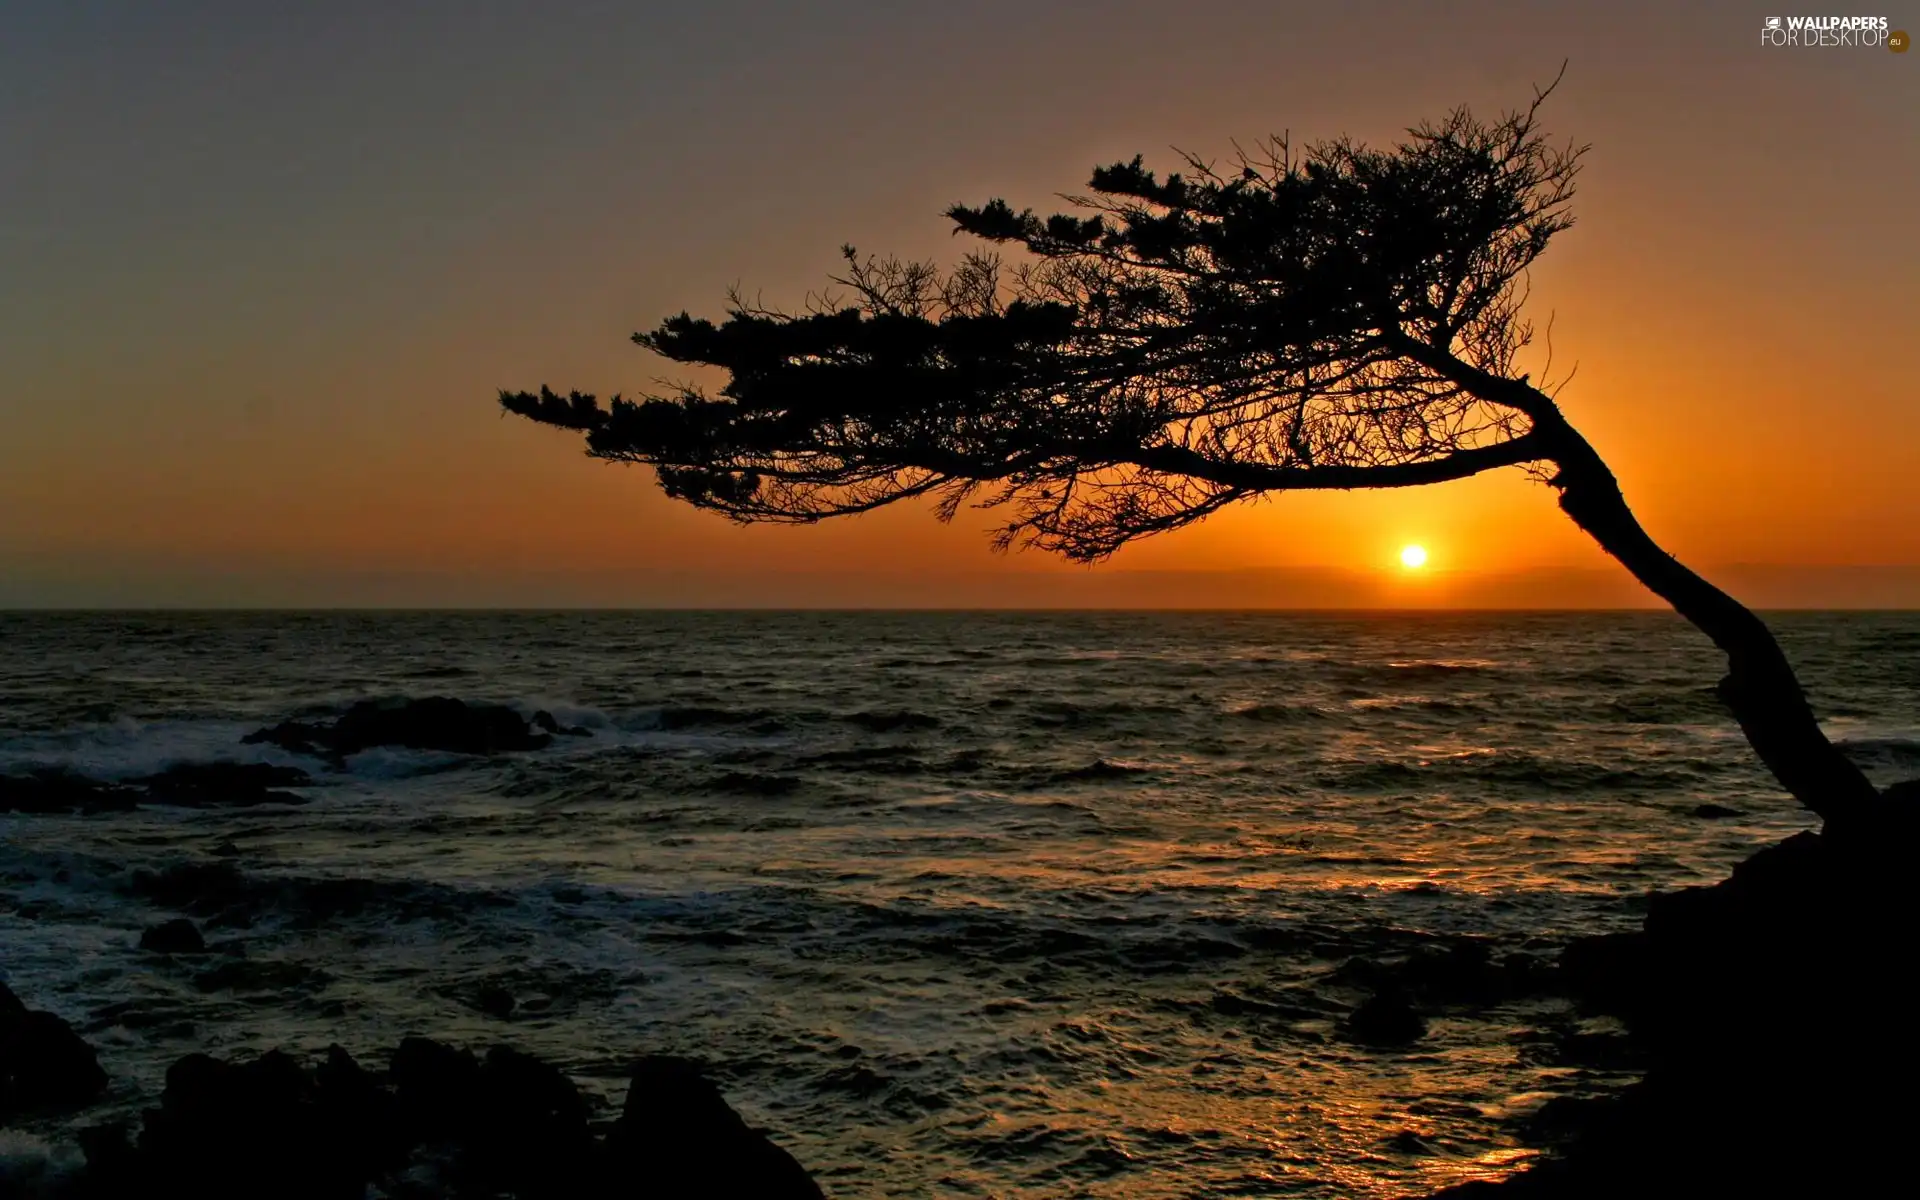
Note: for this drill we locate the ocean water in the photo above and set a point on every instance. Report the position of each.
(954, 904)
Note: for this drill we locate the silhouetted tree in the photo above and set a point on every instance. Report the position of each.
(1343, 317)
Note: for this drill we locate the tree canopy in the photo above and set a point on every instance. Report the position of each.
(1303, 319)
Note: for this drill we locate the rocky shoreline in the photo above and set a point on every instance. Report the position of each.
(437, 1121)
(1775, 1013)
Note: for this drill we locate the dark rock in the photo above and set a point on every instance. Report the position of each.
(1461, 972)
(442, 1123)
(752, 783)
(1384, 1019)
(1525, 974)
(44, 1064)
(677, 1138)
(1774, 1012)
(1565, 1116)
(495, 1002)
(223, 785)
(1602, 969)
(434, 723)
(1715, 812)
(189, 785)
(263, 1128)
(178, 936)
(891, 722)
(1408, 1141)
(58, 791)
(357, 1109)
(434, 1085)
(527, 1131)
(109, 1150)
(545, 720)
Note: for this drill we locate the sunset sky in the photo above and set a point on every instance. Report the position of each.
(261, 275)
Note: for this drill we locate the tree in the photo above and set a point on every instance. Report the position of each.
(1339, 317)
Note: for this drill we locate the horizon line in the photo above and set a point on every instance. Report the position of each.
(537, 610)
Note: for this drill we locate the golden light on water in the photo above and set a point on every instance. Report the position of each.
(1413, 557)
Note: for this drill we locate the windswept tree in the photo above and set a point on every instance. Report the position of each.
(1338, 317)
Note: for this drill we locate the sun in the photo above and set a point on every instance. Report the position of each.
(1413, 557)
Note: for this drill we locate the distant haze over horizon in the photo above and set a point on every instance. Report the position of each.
(264, 268)
(1297, 588)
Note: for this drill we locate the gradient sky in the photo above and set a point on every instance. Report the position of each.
(263, 267)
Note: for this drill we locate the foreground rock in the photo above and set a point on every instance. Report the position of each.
(1776, 1012)
(440, 1122)
(677, 1135)
(188, 785)
(435, 723)
(44, 1064)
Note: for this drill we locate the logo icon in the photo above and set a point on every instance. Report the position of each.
(1773, 23)
(1898, 41)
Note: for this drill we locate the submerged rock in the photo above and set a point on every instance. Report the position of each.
(434, 723)
(178, 936)
(188, 785)
(1716, 812)
(1384, 1019)
(48, 792)
(44, 1064)
(224, 785)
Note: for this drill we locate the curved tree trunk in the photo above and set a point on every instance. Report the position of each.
(1760, 686)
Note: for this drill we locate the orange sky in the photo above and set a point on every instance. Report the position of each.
(261, 278)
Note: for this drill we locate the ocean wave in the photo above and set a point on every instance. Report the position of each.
(1275, 713)
(892, 721)
(126, 748)
(1099, 770)
(1119, 894)
(1899, 753)
(1515, 769)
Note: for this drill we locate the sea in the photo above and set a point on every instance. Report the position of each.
(952, 904)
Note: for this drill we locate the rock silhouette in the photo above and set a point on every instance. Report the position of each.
(434, 723)
(187, 785)
(44, 1064)
(1775, 1013)
(1384, 1019)
(223, 785)
(46, 792)
(447, 1121)
(677, 1133)
(178, 936)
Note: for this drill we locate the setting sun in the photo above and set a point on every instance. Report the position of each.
(1413, 556)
